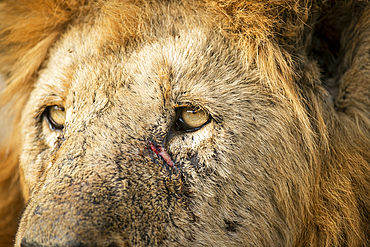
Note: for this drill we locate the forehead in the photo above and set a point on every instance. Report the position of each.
(194, 58)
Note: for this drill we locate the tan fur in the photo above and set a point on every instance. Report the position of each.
(283, 162)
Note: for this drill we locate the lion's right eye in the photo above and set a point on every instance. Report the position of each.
(55, 117)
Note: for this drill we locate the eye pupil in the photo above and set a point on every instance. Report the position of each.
(55, 117)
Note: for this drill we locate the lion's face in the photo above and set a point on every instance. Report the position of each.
(172, 141)
(181, 123)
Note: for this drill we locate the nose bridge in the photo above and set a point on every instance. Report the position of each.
(100, 145)
(105, 128)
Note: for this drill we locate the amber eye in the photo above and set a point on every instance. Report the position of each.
(55, 117)
(191, 119)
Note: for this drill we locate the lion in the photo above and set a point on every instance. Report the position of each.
(185, 123)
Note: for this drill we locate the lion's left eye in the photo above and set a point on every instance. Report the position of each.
(55, 117)
(191, 119)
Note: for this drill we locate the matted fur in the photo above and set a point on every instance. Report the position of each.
(284, 162)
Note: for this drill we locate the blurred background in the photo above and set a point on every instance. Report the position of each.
(4, 120)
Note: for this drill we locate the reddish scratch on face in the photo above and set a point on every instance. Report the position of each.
(159, 150)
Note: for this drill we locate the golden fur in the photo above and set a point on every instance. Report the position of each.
(283, 162)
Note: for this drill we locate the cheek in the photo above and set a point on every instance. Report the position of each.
(194, 151)
(49, 137)
(32, 167)
(33, 148)
(196, 140)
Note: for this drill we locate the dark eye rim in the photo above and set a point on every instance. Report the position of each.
(180, 124)
(52, 124)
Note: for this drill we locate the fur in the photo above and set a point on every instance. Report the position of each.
(284, 160)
